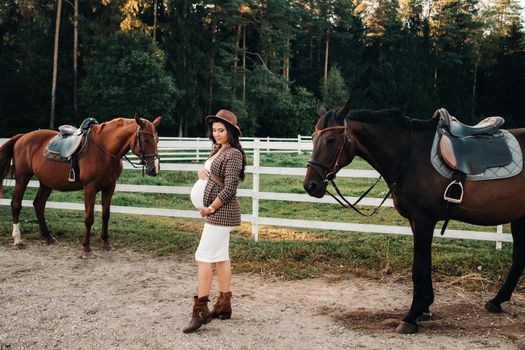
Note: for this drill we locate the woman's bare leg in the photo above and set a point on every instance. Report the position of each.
(204, 278)
(224, 275)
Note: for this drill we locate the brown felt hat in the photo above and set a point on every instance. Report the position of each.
(226, 116)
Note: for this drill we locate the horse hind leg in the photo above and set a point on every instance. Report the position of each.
(16, 208)
(40, 204)
(518, 264)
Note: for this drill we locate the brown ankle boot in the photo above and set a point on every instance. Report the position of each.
(222, 308)
(201, 314)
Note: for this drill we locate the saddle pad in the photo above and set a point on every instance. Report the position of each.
(54, 156)
(512, 169)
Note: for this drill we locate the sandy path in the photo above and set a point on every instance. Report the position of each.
(52, 299)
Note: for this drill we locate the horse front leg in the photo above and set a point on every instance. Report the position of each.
(107, 194)
(518, 264)
(423, 292)
(16, 208)
(90, 194)
(40, 205)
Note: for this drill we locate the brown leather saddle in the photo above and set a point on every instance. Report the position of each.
(65, 146)
(472, 149)
(468, 150)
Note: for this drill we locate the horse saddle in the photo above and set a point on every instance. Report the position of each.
(472, 149)
(68, 141)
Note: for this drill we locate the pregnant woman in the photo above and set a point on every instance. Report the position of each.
(214, 195)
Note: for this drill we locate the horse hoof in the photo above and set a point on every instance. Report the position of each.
(51, 240)
(425, 316)
(87, 255)
(406, 328)
(19, 246)
(493, 308)
(107, 247)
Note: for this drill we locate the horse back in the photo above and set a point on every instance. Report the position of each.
(28, 146)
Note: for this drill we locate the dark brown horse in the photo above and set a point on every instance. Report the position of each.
(399, 149)
(99, 163)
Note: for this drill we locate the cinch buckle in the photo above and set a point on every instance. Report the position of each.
(450, 188)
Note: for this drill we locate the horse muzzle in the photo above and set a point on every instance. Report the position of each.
(153, 168)
(315, 188)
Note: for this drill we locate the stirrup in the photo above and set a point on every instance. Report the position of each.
(72, 176)
(452, 186)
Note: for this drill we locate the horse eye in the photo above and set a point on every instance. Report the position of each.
(330, 139)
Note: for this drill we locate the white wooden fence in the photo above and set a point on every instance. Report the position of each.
(256, 146)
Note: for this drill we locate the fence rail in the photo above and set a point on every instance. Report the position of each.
(258, 146)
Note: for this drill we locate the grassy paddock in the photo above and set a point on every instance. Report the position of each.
(281, 252)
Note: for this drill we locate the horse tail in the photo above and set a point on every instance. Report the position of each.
(6, 154)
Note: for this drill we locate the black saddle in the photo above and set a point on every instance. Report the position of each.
(68, 141)
(472, 149)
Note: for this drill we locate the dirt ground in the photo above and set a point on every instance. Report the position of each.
(52, 299)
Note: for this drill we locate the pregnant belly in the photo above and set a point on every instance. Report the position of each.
(197, 193)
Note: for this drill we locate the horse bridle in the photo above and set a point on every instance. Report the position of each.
(142, 156)
(331, 169)
(143, 163)
(334, 168)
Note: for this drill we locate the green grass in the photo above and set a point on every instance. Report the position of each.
(282, 252)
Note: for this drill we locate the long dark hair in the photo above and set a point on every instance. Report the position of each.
(233, 140)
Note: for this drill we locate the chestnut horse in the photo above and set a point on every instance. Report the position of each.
(399, 149)
(99, 162)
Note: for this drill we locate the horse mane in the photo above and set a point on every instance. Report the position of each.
(116, 121)
(390, 115)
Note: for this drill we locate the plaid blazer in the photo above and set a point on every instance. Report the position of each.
(227, 166)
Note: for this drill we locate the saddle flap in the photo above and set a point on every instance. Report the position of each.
(473, 155)
(65, 146)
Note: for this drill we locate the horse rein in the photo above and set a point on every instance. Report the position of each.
(143, 163)
(333, 168)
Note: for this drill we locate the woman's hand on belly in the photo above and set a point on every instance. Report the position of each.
(203, 174)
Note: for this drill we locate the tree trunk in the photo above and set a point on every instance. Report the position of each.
(212, 64)
(180, 126)
(55, 67)
(155, 20)
(236, 57)
(311, 51)
(473, 109)
(75, 60)
(327, 47)
(244, 64)
(286, 58)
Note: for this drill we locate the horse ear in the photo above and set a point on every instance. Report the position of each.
(156, 122)
(321, 109)
(137, 119)
(343, 112)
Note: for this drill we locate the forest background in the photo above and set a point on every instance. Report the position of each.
(270, 61)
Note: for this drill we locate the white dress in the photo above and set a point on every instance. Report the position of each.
(215, 240)
(197, 191)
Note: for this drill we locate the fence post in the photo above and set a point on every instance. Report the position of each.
(499, 244)
(268, 144)
(255, 189)
(197, 155)
(299, 144)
